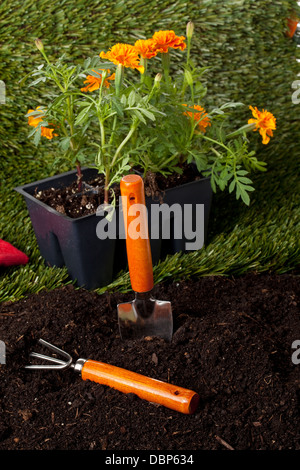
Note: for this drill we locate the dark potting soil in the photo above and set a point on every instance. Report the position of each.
(232, 344)
(76, 203)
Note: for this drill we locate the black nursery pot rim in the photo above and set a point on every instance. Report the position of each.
(21, 189)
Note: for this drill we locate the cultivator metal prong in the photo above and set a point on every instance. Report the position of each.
(58, 363)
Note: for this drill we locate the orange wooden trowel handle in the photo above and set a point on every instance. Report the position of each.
(138, 249)
(176, 398)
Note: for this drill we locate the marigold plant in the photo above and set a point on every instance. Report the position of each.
(136, 108)
(185, 131)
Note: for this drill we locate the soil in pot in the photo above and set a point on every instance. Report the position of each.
(232, 344)
(73, 203)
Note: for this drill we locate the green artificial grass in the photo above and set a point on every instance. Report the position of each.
(251, 60)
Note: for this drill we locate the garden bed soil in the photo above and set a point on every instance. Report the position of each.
(76, 203)
(232, 344)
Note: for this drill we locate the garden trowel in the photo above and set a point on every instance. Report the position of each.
(144, 316)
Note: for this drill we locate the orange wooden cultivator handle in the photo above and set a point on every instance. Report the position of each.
(176, 398)
(138, 250)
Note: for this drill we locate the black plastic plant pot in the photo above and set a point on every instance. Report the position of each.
(93, 261)
(65, 241)
(184, 217)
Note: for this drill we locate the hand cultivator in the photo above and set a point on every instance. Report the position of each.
(152, 390)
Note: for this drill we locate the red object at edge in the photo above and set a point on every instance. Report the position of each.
(11, 256)
(292, 26)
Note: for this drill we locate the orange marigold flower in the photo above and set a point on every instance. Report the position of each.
(123, 54)
(47, 132)
(145, 48)
(94, 83)
(201, 116)
(163, 40)
(265, 122)
(36, 119)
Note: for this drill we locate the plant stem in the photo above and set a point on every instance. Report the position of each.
(118, 85)
(218, 143)
(102, 137)
(192, 94)
(246, 128)
(119, 79)
(165, 57)
(79, 176)
(102, 132)
(171, 158)
(53, 71)
(72, 141)
(144, 63)
(155, 85)
(106, 185)
(130, 133)
(188, 49)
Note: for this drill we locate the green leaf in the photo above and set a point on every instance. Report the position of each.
(82, 104)
(248, 188)
(38, 80)
(241, 192)
(243, 179)
(148, 114)
(224, 175)
(245, 197)
(37, 136)
(35, 113)
(123, 100)
(131, 98)
(222, 184)
(213, 184)
(87, 63)
(221, 134)
(65, 143)
(94, 73)
(188, 76)
(31, 132)
(103, 65)
(82, 116)
(231, 186)
(231, 104)
(139, 115)
(117, 106)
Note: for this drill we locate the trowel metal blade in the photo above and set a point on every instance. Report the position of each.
(141, 318)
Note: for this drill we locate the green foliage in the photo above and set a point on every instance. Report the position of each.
(183, 131)
(61, 111)
(101, 116)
